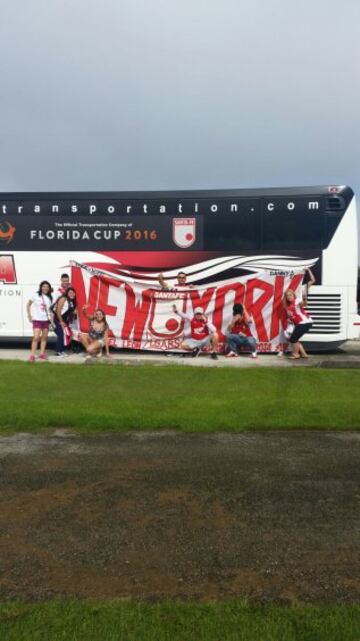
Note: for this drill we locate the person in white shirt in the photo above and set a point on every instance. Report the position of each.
(181, 284)
(64, 285)
(39, 314)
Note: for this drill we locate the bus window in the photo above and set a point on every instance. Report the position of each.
(234, 232)
(292, 230)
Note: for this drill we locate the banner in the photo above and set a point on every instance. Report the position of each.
(140, 314)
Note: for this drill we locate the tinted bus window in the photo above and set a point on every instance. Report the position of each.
(234, 233)
(290, 231)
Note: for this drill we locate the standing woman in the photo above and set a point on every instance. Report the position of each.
(98, 335)
(65, 311)
(301, 320)
(38, 311)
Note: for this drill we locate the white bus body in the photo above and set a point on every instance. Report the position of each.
(41, 234)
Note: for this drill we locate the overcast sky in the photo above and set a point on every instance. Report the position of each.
(178, 94)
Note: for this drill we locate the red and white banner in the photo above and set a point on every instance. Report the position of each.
(140, 314)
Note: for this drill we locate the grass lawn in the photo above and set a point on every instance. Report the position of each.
(120, 398)
(177, 621)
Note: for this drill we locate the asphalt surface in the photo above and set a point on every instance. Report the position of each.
(269, 516)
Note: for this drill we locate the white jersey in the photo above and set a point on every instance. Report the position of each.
(64, 308)
(40, 307)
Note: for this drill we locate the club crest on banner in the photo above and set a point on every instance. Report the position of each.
(184, 232)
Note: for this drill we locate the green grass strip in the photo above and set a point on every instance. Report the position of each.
(120, 398)
(176, 621)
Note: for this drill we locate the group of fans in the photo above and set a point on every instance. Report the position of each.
(59, 313)
(239, 335)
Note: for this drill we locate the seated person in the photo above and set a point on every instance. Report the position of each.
(239, 332)
(98, 334)
(202, 333)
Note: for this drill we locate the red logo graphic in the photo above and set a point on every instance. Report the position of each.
(7, 233)
(7, 269)
(184, 232)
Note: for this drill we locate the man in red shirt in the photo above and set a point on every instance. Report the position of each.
(202, 333)
(239, 332)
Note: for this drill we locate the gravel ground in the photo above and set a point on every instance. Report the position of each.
(269, 516)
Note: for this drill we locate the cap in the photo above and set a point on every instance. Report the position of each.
(198, 310)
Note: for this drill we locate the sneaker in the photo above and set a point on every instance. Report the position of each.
(32, 358)
(60, 354)
(253, 355)
(195, 352)
(231, 355)
(43, 357)
(214, 356)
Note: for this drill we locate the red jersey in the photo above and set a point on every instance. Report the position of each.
(199, 329)
(241, 327)
(298, 312)
(59, 292)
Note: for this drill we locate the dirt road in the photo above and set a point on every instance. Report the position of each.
(270, 516)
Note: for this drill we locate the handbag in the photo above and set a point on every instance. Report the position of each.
(51, 324)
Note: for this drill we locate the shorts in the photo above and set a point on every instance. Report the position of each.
(193, 343)
(101, 341)
(40, 324)
(299, 331)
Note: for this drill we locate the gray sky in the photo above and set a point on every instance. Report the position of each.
(163, 94)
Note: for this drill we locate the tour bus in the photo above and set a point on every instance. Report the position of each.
(233, 245)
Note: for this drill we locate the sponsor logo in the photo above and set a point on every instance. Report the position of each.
(184, 232)
(7, 232)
